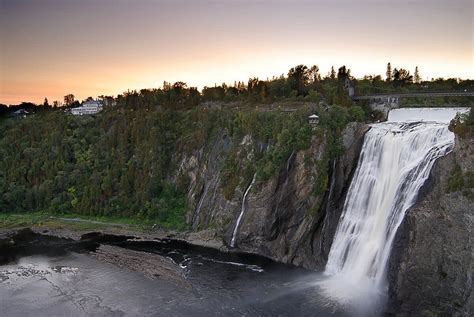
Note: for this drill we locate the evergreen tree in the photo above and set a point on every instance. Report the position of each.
(69, 100)
(401, 77)
(332, 75)
(389, 73)
(417, 77)
(300, 77)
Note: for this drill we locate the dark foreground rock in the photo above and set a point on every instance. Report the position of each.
(26, 242)
(155, 258)
(432, 262)
(151, 265)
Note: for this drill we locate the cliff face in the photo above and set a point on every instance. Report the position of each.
(286, 218)
(432, 261)
(343, 170)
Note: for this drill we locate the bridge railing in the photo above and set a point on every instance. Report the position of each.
(414, 95)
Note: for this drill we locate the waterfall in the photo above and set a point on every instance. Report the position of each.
(242, 211)
(198, 209)
(395, 161)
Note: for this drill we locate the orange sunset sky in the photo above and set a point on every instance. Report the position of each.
(51, 48)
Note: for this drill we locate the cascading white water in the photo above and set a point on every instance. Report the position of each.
(395, 161)
(242, 210)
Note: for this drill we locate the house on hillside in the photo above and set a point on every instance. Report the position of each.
(88, 107)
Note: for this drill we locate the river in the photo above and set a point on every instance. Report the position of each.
(216, 284)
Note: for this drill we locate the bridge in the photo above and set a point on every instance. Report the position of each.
(391, 96)
(383, 102)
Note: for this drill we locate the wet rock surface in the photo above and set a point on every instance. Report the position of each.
(151, 265)
(26, 242)
(284, 218)
(432, 261)
(156, 258)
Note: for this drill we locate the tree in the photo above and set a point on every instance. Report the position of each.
(45, 102)
(389, 73)
(257, 89)
(417, 77)
(3, 109)
(401, 77)
(69, 100)
(166, 86)
(314, 74)
(252, 85)
(179, 87)
(332, 75)
(299, 77)
(343, 73)
(213, 93)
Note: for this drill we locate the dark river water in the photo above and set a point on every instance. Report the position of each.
(80, 285)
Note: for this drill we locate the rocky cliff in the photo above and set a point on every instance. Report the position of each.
(287, 219)
(432, 260)
(290, 218)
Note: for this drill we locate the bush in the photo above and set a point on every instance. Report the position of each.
(456, 180)
(356, 113)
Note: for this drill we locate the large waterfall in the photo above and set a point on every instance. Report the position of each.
(395, 161)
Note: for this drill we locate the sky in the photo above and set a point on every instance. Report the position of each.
(50, 48)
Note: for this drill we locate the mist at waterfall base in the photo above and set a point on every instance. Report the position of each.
(395, 161)
(80, 285)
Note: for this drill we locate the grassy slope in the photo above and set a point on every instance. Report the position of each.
(70, 222)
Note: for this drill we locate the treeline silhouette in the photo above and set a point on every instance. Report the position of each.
(301, 83)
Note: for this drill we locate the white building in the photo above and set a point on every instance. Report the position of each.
(88, 107)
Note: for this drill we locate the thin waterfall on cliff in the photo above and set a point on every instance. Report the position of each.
(242, 211)
(198, 209)
(395, 161)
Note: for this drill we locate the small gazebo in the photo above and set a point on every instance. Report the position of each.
(313, 119)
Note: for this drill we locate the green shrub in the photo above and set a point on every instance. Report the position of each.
(456, 180)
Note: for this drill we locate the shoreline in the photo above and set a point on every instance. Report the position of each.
(75, 227)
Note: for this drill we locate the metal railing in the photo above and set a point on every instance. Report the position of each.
(414, 95)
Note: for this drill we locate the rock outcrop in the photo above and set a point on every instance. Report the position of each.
(343, 170)
(432, 261)
(285, 218)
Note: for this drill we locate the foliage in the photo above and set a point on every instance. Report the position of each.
(456, 180)
(71, 222)
(401, 77)
(302, 83)
(470, 179)
(463, 125)
(114, 164)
